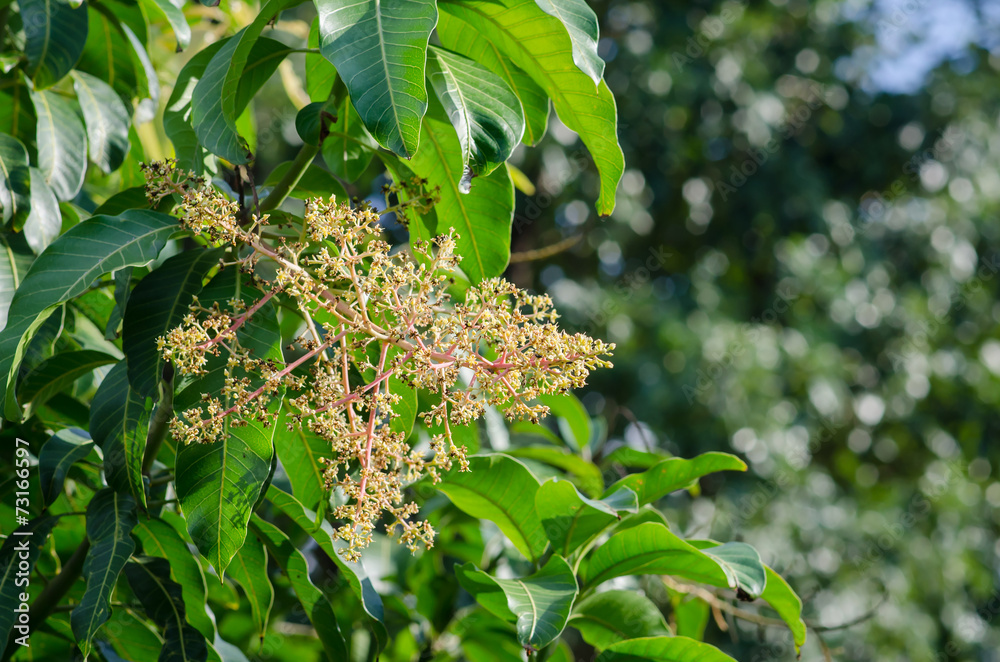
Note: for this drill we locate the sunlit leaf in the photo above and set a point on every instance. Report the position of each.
(606, 618)
(62, 143)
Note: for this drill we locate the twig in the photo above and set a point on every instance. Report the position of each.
(545, 251)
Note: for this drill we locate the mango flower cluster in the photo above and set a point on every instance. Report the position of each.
(377, 323)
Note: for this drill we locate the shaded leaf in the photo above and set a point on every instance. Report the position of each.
(249, 569)
(570, 519)
(28, 539)
(741, 563)
(584, 474)
(783, 600)
(188, 151)
(56, 456)
(15, 181)
(57, 373)
(119, 418)
(300, 452)
(55, 32)
(106, 118)
(44, 221)
(314, 183)
(163, 601)
(676, 474)
(606, 618)
(15, 259)
(349, 148)
(17, 114)
(62, 143)
(107, 54)
(173, 11)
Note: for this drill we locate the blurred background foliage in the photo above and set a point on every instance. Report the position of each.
(802, 269)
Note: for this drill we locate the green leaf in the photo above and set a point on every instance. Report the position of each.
(174, 12)
(783, 600)
(349, 148)
(741, 563)
(539, 44)
(110, 518)
(119, 419)
(58, 373)
(312, 123)
(62, 143)
(157, 304)
(29, 540)
(574, 421)
(676, 474)
(502, 490)
(320, 74)
(483, 109)
(55, 32)
(108, 53)
(17, 114)
(585, 474)
(106, 118)
(457, 35)
(483, 216)
(163, 600)
(631, 458)
(15, 178)
(249, 569)
(580, 22)
(300, 452)
(56, 456)
(571, 519)
(65, 270)
(606, 618)
(177, 113)
(131, 636)
(15, 259)
(314, 183)
(541, 603)
(44, 221)
(379, 47)
(690, 615)
(160, 539)
(316, 605)
(662, 649)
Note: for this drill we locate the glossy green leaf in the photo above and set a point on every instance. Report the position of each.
(17, 114)
(108, 53)
(574, 421)
(541, 603)
(173, 10)
(44, 221)
(56, 374)
(119, 419)
(379, 47)
(349, 148)
(157, 304)
(312, 123)
(457, 35)
(690, 615)
(66, 268)
(106, 118)
(662, 649)
(300, 452)
(502, 490)
(131, 637)
(28, 539)
(580, 22)
(314, 183)
(160, 539)
(606, 618)
(482, 217)
(163, 601)
(629, 457)
(586, 475)
(188, 151)
(320, 74)
(110, 519)
(741, 563)
(15, 181)
(571, 519)
(249, 569)
(485, 112)
(539, 44)
(55, 32)
(56, 456)
(62, 143)
(784, 600)
(676, 473)
(317, 606)
(15, 259)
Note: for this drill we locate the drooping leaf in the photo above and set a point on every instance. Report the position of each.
(160, 539)
(62, 143)
(107, 54)
(580, 22)
(741, 563)
(110, 519)
(502, 490)
(44, 221)
(130, 636)
(55, 32)
(57, 373)
(662, 649)
(379, 47)
(17, 114)
(15, 181)
(28, 539)
(606, 618)
(349, 148)
(119, 418)
(316, 605)
(313, 121)
(320, 74)
(56, 456)
(571, 519)
(300, 452)
(676, 474)
(146, 75)
(15, 259)
(541, 603)
(173, 11)
(690, 615)
(483, 109)
(538, 44)
(574, 421)
(482, 217)
(106, 118)
(65, 269)
(586, 475)
(163, 601)
(249, 569)
(783, 600)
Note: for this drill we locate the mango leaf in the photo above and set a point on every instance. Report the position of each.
(481, 217)
(539, 44)
(130, 636)
(574, 421)
(44, 221)
(571, 519)
(249, 569)
(119, 419)
(62, 143)
(320, 74)
(56, 456)
(177, 113)
(606, 618)
(28, 539)
(379, 47)
(541, 603)
(110, 519)
(15, 178)
(314, 183)
(174, 13)
(348, 148)
(55, 32)
(157, 304)
(106, 118)
(160, 539)
(300, 451)
(483, 109)
(676, 474)
(502, 490)
(585, 474)
(108, 53)
(316, 605)
(65, 269)
(626, 456)
(690, 614)
(580, 22)
(163, 601)
(58, 373)
(312, 123)
(783, 600)
(662, 649)
(741, 563)
(17, 114)
(15, 259)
